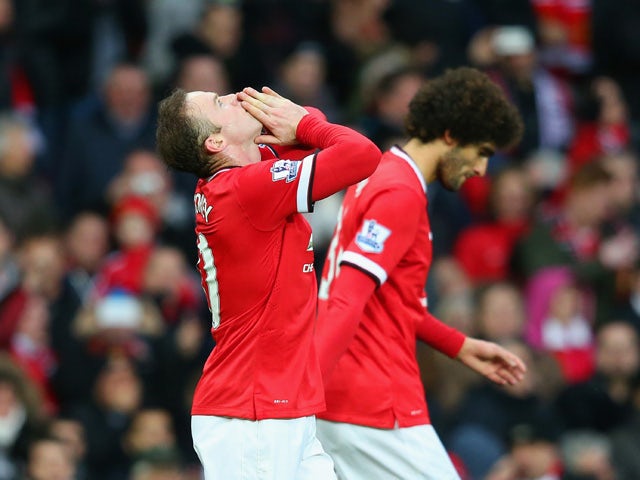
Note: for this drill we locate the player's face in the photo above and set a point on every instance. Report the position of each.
(462, 163)
(237, 126)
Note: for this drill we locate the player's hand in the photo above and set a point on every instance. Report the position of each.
(492, 361)
(279, 115)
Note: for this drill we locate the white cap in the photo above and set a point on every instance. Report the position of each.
(515, 40)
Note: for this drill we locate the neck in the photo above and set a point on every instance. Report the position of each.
(426, 156)
(245, 154)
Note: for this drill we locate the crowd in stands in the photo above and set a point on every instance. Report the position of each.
(103, 324)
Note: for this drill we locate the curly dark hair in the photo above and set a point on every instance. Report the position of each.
(469, 105)
(180, 137)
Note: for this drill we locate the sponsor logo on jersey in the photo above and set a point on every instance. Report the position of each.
(285, 170)
(372, 236)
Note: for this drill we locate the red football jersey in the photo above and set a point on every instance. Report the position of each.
(263, 364)
(256, 263)
(384, 231)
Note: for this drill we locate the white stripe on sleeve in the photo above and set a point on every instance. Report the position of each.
(366, 264)
(304, 185)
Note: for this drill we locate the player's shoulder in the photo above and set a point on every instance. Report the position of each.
(396, 172)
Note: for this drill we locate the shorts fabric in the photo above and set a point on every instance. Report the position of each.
(365, 453)
(271, 449)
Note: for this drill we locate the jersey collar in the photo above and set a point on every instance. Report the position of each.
(398, 152)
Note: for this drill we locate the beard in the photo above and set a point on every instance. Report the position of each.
(450, 170)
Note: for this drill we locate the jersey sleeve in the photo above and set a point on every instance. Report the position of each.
(439, 335)
(339, 316)
(387, 231)
(270, 191)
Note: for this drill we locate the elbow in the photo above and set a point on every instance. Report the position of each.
(367, 155)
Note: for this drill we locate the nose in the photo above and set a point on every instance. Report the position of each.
(480, 168)
(230, 99)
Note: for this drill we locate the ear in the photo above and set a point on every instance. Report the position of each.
(448, 139)
(215, 143)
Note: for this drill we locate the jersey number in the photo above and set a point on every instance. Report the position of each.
(210, 284)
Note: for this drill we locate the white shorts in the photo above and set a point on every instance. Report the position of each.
(272, 449)
(365, 453)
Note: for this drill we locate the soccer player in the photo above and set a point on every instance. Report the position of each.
(253, 408)
(372, 303)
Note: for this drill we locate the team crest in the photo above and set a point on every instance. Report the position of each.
(372, 236)
(285, 170)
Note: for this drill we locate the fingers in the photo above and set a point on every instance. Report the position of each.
(266, 98)
(268, 139)
(253, 107)
(271, 92)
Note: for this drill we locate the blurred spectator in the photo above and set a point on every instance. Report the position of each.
(616, 48)
(158, 469)
(387, 104)
(15, 90)
(567, 245)
(135, 222)
(150, 435)
(625, 189)
(448, 279)
(566, 334)
(603, 402)
(353, 31)
(49, 460)
(70, 433)
(31, 348)
(100, 139)
(302, 79)
(533, 454)
(179, 353)
(119, 34)
(437, 31)
(11, 298)
(544, 101)
(602, 123)
(564, 28)
(203, 73)
(484, 250)
(26, 204)
(144, 176)
(119, 323)
(87, 244)
(628, 307)
(489, 417)
(117, 396)
(220, 32)
(167, 19)
(56, 44)
(21, 419)
(500, 312)
(586, 455)
(42, 265)
(174, 290)
(626, 441)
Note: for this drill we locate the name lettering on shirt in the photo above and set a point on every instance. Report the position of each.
(285, 170)
(202, 207)
(372, 236)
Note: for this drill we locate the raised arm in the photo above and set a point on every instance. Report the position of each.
(346, 156)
